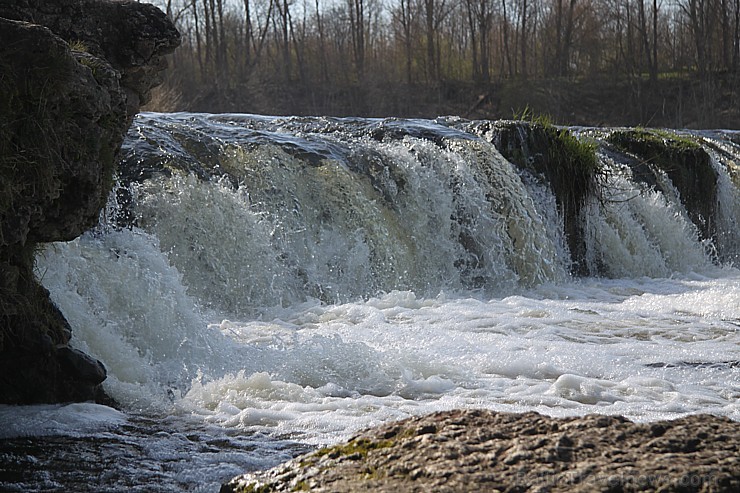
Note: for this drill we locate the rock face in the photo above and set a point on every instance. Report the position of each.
(684, 161)
(561, 161)
(476, 450)
(73, 73)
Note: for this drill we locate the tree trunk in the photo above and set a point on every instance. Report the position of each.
(429, 8)
(524, 38)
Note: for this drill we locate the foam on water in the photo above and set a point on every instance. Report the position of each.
(627, 350)
(647, 348)
(131, 310)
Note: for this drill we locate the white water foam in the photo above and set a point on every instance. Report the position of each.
(728, 206)
(646, 348)
(601, 347)
(130, 310)
(633, 230)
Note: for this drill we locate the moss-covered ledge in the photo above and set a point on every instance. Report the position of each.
(567, 164)
(684, 161)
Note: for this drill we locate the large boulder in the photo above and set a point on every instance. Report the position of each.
(479, 450)
(132, 37)
(73, 73)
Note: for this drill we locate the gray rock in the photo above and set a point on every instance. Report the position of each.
(479, 450)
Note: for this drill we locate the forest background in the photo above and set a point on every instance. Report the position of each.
(670, 63)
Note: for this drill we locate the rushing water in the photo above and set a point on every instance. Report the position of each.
(335, 274)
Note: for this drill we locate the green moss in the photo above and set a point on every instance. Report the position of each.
(566, 163)
(359, 446)
(656, 144)
(566, 152)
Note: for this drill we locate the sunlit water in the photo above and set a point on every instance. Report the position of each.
(244, 323)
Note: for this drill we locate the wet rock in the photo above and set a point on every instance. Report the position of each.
(74, 73)
(478, 450)
(684, 161)
(560, 160)
(80, 365)
(132, 37)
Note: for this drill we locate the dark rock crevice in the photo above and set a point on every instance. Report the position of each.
(684, 161)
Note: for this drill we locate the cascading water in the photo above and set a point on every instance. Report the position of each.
(370, 217)
(269, 284)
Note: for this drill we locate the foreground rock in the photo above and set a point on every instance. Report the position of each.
(478, 450)
(73, 74)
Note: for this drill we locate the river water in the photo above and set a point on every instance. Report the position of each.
(327, 278)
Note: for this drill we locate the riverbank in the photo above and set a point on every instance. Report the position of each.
(671, 101)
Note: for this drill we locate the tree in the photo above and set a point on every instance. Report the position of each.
(480, 17)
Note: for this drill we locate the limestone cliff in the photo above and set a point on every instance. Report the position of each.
(73, 73)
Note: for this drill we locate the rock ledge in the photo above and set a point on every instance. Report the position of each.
(479, 450)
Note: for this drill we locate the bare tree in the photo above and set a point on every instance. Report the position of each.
(404, 15)
(480, 16)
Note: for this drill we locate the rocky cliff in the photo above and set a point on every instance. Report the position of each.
(73, 73)
(478, 450)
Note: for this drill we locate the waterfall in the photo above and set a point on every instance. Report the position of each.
(338, 216)
(236, 217)
(262, 285)
(259, 211)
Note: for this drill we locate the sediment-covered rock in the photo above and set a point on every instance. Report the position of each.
(479, 450)
(72, 75)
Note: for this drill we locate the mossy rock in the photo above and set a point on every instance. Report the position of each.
(357, 449)
(567, 164)
(61, 126)
(64, 111)
(684, 161)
